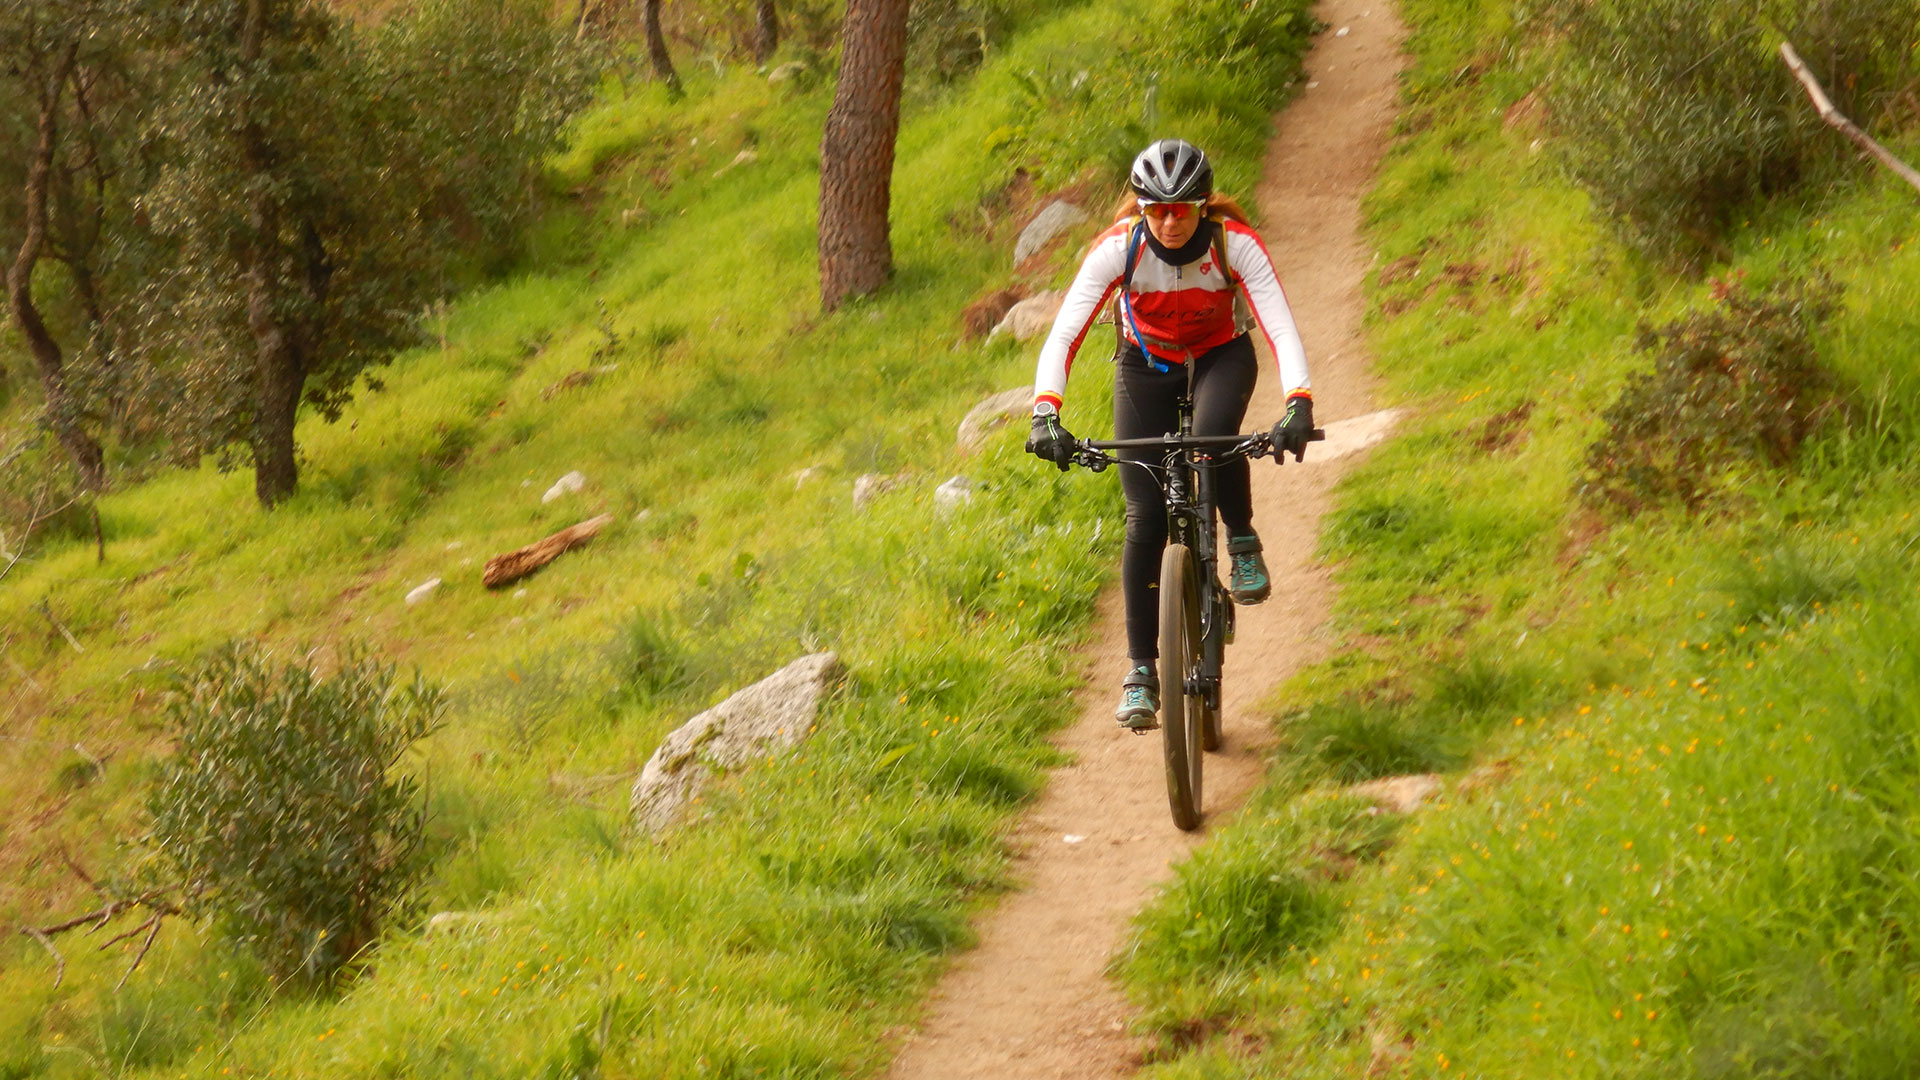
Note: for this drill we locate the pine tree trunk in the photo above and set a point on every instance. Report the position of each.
(47, 356)
(767, 23)
(657, 51)
(856, 155)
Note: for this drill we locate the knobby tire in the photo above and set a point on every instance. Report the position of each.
(1210, 718)
(1182, 716)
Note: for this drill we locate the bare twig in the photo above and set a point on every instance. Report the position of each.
(46, 942)
(125, 934)
(153, 931)
(26, 537)
(47, 610)
(72, 863)
(1840, 123)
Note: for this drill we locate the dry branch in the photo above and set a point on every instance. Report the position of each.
(516, 564)
(153, 900)
(1840, 123)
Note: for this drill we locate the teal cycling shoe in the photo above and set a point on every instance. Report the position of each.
(1247, 579)
(1139, 701)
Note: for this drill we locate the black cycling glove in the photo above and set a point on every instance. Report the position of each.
(1293, 432)
(1050, 441)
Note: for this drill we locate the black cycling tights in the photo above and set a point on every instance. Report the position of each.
(1147, 403)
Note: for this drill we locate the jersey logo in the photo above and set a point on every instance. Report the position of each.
(1206, 267)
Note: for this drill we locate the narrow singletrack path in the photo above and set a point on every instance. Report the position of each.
(1033, 1000)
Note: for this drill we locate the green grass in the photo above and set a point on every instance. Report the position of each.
(1675, 834)
(800, 915)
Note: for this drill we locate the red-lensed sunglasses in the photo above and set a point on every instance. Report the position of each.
(1178, 211)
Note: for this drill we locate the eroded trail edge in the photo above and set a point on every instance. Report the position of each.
(1033, 999)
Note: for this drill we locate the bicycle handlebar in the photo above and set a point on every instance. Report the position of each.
(1092, 453)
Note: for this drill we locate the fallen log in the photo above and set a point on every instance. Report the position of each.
(516, 564)
(1839, 122)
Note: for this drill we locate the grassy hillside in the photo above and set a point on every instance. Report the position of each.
(794, 924)
(1676, 832)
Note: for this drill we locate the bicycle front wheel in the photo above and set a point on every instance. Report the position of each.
(1210, 720)
(1182, 714)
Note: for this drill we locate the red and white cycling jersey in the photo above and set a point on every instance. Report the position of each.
(1182, 311)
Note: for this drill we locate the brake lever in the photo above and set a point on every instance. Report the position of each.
(1280, 456)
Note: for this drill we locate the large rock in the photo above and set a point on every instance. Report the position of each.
(1031, 317)
(772, 715)
(1059, 216)
(992, 414)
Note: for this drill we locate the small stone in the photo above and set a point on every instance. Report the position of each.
(566, 485)
(1070, 838)
(870, 486)
(1398, 794)
(787, 72)
(456, 545)
(744, 157)
(954, 493)
(1343, 31)
(457, 922)
(519, 594)
(422, 591)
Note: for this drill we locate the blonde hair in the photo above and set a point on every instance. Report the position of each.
(1218, 205)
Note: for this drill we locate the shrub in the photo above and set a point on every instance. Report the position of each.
(1735, 386)
(1678, 113)
(280, 814)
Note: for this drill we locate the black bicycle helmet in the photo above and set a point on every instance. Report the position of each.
(1172, 170)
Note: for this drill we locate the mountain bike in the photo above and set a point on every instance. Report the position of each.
(1196, 614)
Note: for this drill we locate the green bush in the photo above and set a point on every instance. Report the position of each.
(1733, 387)
(1678, 114)
(280, 813)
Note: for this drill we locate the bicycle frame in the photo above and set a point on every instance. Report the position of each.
(1193, 649)
(1192, 519)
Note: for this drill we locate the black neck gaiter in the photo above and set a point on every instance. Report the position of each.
(1191, 251)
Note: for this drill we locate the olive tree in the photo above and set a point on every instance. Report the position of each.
(309, 173)
(283, 813)
(50, 51)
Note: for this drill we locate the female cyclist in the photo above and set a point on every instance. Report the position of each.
(1163, 255)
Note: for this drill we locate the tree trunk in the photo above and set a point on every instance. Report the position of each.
(47, 356)
(856, 155)
(279, 366)
(657, 51)
(79, 220)
(767, 23)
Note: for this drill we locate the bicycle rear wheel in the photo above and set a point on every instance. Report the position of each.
(1182, 715)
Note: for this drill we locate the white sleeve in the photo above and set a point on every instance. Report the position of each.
(1248, 258)
(1099, 273)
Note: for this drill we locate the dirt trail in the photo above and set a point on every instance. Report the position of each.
(1033, 1000)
